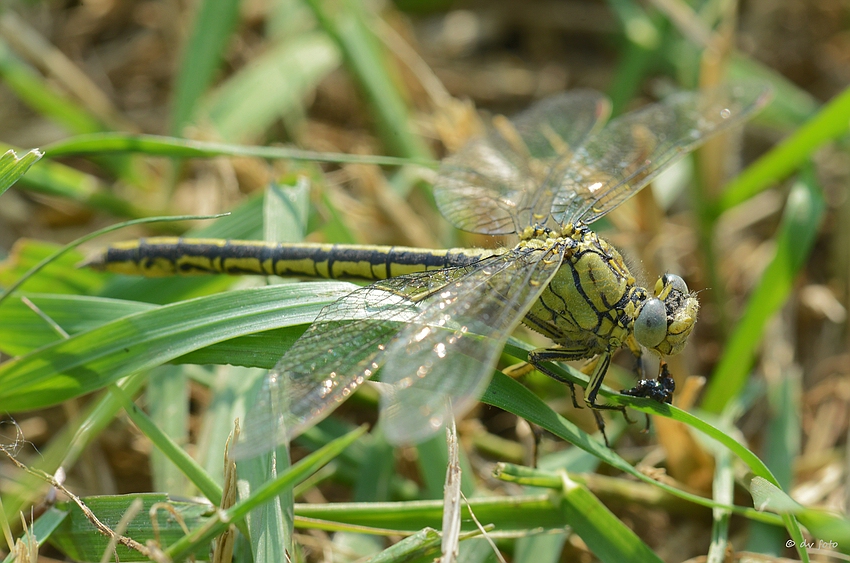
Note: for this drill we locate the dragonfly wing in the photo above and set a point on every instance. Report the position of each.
(338, 352)
(448, 354)
(344, 347)
(496, 183)
(631, 150)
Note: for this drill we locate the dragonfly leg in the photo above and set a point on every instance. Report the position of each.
(660, 389)
(599, 369)
(540, 355)
(518, 370)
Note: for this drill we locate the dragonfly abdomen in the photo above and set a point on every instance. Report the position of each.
(167, 256)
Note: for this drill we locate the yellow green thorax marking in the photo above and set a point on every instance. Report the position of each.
(586, 305)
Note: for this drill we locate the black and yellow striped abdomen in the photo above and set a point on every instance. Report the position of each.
(168, 256)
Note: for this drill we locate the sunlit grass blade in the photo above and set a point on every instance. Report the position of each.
(54, 179)
(33, 90)
(43, 528)
(155, 145)
(271, 87)
(794, 240)
(209, 488)
(829, 527)
(211, 33)
(830, 123)
(93, 359)
(13, 166)
(285, 479)
(607, 537)
(346, 22)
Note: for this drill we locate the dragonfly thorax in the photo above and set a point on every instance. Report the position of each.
(593, 305)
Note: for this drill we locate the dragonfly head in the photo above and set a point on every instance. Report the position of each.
(664, 322)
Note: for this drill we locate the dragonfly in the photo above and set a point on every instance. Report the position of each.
(435, 321)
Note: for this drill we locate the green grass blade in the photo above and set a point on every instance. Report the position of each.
(77, 538)
(722, 491)
(273, 86)
(347, 23)
(61, 276)
(506, 514)
(781, 446)
(509, 395)
(794, 241)
(821, 524)
(54, 179)
(93, 359)
(270, 490)
(23, 331)
(167, 399)
(540, 548)
(424, 543)
(34, 91)
(211, 34)
(830, 123)
(13, 166)
(42, 528)
(607, 537)
(156, 145)
(164, 444)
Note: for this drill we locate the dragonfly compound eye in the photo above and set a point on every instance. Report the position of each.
(676, 283)
(668, 282)
(651, 323)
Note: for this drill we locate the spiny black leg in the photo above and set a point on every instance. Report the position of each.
(600, 423)
(536, 359)
(596, 384)
(572, 387)
(538, 437)
(639, 367)
(667, 382)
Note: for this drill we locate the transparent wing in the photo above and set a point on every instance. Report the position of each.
(631, 150)
(447, 356)
(496, 183)
(341, 349)
(352, 337)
